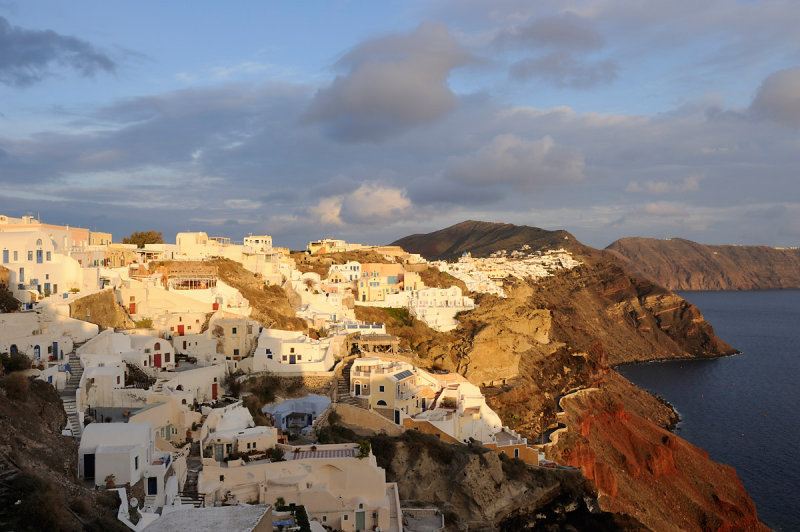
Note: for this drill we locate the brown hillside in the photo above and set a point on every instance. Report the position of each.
(685, 265)
(271, 306)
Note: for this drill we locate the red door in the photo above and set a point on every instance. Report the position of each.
(214, 390)
(133, 308)
(157, 360)
(215, 306)
(180, 330)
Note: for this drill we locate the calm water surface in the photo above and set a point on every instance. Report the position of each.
(743, 409)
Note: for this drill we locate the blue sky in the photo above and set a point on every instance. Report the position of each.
(373, 120)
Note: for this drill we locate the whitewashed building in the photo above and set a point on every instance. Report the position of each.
(291, 352)
(119, 449)
(437, 307)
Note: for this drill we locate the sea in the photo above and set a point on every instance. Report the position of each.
(743, 409)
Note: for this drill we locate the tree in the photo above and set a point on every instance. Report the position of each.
(144, 237)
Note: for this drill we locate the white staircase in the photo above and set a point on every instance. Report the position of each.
(68, 395)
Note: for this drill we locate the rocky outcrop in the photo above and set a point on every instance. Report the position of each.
(480, 490)
(647, 472)
(680, 264)
(101, 309)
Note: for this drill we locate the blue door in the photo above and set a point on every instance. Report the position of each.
(47, 287)
(22, 275)
(37, 352)
(152, 485)
(292, 359)
(397, 417)
(5, 256)
(39, 256)
(55, 350)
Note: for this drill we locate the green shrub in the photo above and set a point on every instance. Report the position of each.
(144, 323)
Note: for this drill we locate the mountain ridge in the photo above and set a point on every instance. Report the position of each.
(680, 264)
(482, 238)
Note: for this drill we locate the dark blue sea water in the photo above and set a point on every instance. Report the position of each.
(743, 409)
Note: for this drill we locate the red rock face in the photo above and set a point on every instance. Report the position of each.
(649, 473)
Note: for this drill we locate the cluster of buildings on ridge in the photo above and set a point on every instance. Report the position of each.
(488, 275)
(158, 394)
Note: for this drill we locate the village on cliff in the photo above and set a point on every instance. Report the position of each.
(168, 373)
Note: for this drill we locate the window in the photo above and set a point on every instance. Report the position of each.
(374, 515)
(291, 349)
(299, 357)
(324, 518)
(5, 256)
(236, 352)
(233, 330)
(361, 506)
(516, 453)
(48, 256)
(269, 351)
(136, 463)
(16, 256)
(157, 347)
(30, 255)
(380, 388)
(284, 358)
(269, 357)
(346, 517)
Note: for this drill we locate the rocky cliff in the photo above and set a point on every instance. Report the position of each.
(563, 333)
(645, 471)
(39, 484)
(480, 490)
(685, 265)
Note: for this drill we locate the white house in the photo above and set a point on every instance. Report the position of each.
(200, 384)
(259, 243)
(38, 263)
(437, 307)
(338, 486)
(119, 449)
(345, 273)
(42, 334)
(291, 352)
(149, 353)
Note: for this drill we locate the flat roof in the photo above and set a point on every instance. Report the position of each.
(324, 453)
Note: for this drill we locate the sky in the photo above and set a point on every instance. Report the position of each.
(370, 120)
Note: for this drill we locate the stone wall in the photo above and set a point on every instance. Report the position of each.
(365, 421)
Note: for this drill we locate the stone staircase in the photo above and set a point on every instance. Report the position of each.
(68, 395)
(343, 389)
(189, 494)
